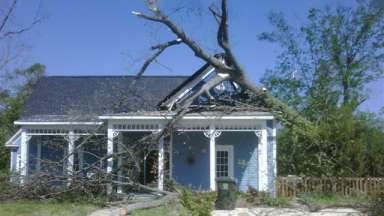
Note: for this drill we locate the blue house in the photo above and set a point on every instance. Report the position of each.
(205, 143)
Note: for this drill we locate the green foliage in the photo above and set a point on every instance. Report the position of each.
(11, 101)
(198, 204)
(322, 71)
(86, 198)
(350, 145)
(327, 61)
(316, 201)
(377, 206)
(173, 209)
(47, 208)
(258, 198)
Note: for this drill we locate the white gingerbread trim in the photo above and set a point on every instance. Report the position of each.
(259, 134)
(214, 133)
(115, 133)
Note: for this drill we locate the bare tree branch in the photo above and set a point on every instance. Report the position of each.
(215, 13)
(22, 30)
(198, 51)
(159, 49)
(230, 68)
(11, 47)
(8, 15)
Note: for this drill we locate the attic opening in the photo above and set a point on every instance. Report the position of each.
(224, 93)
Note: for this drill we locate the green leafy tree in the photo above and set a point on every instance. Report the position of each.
(323, 71)
(11, 101)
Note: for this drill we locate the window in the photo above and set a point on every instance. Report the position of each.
(224, 161)
(222, 164)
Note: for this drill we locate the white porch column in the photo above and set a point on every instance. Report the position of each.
(110, 137)
(18, 159)
(212, 134)
(119, 163)
(12, 168)
(212, 159)
(38, 156)
(274, 161)
(274, 157)
(160, 180)
(23, 166)
(81, 157)
(71, 139)
(263, 158)
(171, 155)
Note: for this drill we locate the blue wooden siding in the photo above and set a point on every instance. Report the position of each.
(191, 160)
(245, 157)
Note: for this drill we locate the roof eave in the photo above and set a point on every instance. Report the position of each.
(57, 123)
(201, 72)
(10, 140)
(208, 115)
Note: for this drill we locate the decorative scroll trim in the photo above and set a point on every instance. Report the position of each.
(115, 133)
(210, 134)
(259, 133)
(73, 136)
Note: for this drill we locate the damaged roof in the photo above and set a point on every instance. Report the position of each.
(57, 98)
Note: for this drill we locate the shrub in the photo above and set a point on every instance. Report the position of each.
(170, 185)
(257, 198)
(377, 206)
(198, 204)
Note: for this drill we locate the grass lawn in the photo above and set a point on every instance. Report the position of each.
(36, 208)
(323, 200)
(173, 209)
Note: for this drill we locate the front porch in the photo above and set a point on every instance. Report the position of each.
(199, 149)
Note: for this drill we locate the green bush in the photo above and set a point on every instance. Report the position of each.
(377, 206)
(198, 204)
(82, 198)
(277, 201)
(170, 185)
(257, 198)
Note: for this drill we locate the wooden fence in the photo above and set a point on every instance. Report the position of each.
(291, 186)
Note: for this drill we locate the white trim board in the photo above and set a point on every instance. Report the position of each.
(250, 117)
(56, 123)
(13, 138)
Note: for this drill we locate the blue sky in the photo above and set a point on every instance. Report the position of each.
(100, 37)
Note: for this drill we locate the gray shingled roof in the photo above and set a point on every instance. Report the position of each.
(58, 98)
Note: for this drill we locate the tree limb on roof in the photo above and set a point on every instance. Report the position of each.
(227, 69)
